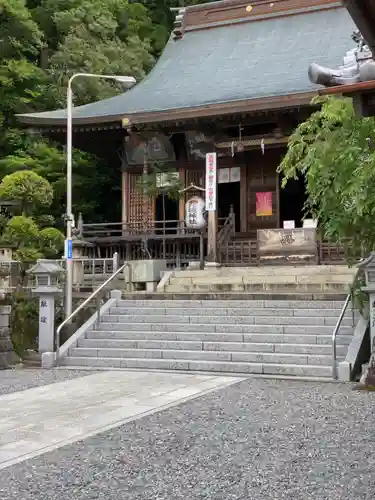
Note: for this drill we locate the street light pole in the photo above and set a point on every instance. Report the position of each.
(129, 81)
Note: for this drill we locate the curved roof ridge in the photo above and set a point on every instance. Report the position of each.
(258, 65)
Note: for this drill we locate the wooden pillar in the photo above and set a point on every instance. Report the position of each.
(278, 220)
(243, 200)
(181, 203)
(125, 198)
(145, 210)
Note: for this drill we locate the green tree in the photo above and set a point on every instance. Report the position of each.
(32, 192)
(28, 189)
(49, 161)
(94, 36)
(334, 150)
(163, 18)
(51, 242)
(23, 85)
(161, 181)
(23, 233)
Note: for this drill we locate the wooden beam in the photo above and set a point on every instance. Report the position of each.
(243, 199)
(181, 203)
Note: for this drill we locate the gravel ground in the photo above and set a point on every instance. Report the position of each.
(19, 379)
(259, 439)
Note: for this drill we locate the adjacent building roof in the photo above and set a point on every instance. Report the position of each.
(228, 57)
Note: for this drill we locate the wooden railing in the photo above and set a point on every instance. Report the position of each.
(173, 241)
(122, 230)
(227, 230)
(239, 253)
(331, 252)
(245, 253)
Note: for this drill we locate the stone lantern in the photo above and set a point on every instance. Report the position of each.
(47, 276)
(368, 266)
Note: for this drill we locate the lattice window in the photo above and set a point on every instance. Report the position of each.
(141, 209)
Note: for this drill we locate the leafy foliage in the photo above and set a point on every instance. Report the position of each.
(51, 241)
(22, 231)
(43, 42)
(334, 150)
(28, 189)
(161, 180)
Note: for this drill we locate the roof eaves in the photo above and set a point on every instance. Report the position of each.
(348, 89)
(216, 109)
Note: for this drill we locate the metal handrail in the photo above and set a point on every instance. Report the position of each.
(348, 299)
(95, 294)
(334, 336)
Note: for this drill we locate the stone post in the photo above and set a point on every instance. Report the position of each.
(8, 271)
(7, 355)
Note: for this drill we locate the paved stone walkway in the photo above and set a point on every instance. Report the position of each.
(255, 440)
(41, 419)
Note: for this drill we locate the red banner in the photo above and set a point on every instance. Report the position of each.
(264, 204)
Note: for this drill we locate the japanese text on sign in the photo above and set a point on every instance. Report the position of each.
(211, 182)
(194, 209)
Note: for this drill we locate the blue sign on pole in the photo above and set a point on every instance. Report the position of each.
(69, 249)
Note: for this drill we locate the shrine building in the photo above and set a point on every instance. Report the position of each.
(233, 79)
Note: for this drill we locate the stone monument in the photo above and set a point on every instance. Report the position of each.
(47, 275)
(368, 267)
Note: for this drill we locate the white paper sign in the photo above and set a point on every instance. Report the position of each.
(310, 223)
(289, 224)
(211, 181)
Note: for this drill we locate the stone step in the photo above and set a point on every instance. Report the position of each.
(268, 271)
(199, 336)
(163, 319)
(258, 287)
(246, 357)
(291, 295)
(232, 311)
(263, 279)
(231, 328)
(240, 356)
(217, 303)
(319, 349)
(197, 365)
(225, 328)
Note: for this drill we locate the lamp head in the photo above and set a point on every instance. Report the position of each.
(127, 81)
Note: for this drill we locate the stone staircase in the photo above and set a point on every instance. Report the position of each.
(265, 279)
(256, 334)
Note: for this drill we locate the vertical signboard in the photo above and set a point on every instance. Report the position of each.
(211, 182)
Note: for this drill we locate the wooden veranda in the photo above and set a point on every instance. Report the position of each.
(174, 242)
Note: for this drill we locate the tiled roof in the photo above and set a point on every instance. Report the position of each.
(229, 63)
